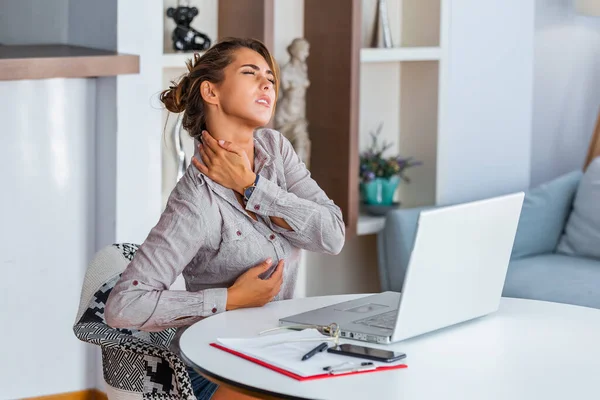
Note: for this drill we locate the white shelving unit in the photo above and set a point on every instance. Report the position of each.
(400, 87)
(369, 224)
(400, 54)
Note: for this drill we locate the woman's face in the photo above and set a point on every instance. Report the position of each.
(248, 90)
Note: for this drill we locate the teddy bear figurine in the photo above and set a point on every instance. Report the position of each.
(186, 38)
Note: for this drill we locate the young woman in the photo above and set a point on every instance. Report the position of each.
(235, 222)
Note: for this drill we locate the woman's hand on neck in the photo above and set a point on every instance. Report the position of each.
(233, 131)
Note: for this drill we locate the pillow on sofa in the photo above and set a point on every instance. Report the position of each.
(582, 233)
(543, 216)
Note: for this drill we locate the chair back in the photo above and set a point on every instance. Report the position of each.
(135, 364)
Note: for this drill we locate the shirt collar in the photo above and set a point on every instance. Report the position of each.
(262, 158)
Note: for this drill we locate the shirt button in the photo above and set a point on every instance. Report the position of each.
(214, 310)
(238, 233)
(272, 236)
(257, 207)
(135, 283)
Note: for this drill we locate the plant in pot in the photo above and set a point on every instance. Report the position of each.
(380, 175)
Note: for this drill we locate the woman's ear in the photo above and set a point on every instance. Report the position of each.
(208, 92)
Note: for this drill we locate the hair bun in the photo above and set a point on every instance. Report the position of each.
(175, 97)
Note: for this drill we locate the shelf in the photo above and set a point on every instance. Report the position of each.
(369, 225)
(176, 60)
(400, 54)
(63, 61)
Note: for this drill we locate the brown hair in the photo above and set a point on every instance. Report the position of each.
(184, 96)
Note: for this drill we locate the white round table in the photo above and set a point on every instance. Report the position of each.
(526, 350)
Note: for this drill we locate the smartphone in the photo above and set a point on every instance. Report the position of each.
(369, 353)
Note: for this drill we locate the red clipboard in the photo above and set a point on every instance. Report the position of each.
(298, 377)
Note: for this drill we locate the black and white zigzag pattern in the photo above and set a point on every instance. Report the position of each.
(128, 249)
(134, 360)
(158, 372)
(95, 310)
(123, 370)
(162, 338)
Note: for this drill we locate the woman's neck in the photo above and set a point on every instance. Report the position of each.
(238, 134)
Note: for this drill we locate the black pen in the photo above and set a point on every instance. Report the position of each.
(314, 351)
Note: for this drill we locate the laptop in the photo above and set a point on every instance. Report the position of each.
(456, 273)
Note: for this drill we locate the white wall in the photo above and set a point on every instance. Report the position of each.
(139, 128)
(48, 163)
(92, 152)
(94, 24)
(566, 88)
(47, 233)
(487, 78)
(128, 148)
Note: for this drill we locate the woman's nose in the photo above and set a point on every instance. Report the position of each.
(267, 84)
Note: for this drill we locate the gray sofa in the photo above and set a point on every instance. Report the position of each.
(536, 271)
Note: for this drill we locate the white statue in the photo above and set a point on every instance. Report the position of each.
(290, 117)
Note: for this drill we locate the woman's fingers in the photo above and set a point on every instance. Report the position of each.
(237, 150)
(205, 157)
(210, 142)
(233, 148)
(201, 167)
(278, 273)
(209, 151)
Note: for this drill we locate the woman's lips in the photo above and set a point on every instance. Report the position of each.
(265, 101)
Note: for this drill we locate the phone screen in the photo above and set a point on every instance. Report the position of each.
(368, 351)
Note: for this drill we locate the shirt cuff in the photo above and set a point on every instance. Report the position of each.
(264, 195)
(215, 301)
(181, 308)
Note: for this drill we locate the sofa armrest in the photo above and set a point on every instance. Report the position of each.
(394, 245)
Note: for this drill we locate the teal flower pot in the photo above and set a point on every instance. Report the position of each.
(380, 191)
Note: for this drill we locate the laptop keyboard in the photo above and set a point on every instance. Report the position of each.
(386, 320)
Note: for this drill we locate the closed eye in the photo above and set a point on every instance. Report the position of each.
(253, 73)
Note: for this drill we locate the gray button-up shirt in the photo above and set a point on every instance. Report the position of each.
(207, 235)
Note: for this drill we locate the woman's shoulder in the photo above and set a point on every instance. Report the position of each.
(271, 139)
(268, 136)
(191, 187)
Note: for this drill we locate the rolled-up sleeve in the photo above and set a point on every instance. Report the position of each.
(141, 298)
(317, 223)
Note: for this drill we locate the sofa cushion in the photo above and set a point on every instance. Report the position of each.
(555, 277)
(582, 232)
(543, 216)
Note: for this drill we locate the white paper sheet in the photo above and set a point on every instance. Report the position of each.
(285, 350)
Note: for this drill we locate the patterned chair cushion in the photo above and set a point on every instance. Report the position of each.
(132, 360)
